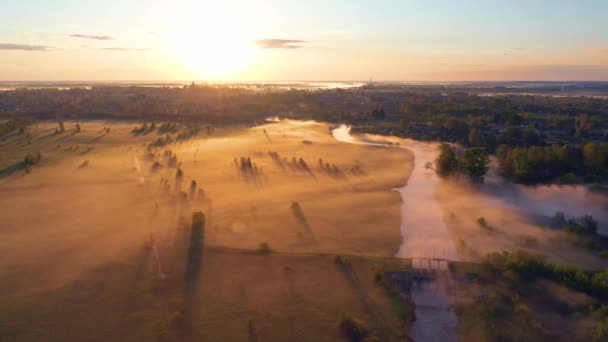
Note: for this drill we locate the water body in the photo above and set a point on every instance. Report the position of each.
(423, 231)
(424, 235)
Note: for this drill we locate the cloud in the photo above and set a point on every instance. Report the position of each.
(25, 47)
(513, 51)
(87, 36)
(279, 43)
(123, 49)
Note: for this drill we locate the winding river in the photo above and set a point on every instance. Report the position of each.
(519, 210)
(424, 235)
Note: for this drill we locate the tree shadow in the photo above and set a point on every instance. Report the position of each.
(267, 136)
(97, 138)
(9, 170)
(141, 265)
(64, 136)
(193, 273)
(298, 214)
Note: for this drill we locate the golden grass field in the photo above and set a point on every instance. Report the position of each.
(74, 231)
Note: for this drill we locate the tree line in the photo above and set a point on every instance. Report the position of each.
(568, 163)
(472, 163)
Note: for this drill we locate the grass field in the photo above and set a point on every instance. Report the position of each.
(75, 227)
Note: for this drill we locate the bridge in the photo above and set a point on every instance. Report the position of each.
(430, 264)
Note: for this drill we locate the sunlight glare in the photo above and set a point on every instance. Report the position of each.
(212, 42)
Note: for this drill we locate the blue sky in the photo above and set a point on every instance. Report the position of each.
(341, 40)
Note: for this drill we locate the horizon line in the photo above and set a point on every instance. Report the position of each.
(294, 81)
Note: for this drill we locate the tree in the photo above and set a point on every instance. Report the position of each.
(378, 112)
(568, 179)
(475, 164)
(530, 135)
(192, 188)
(32, 158)
(594, 156)
(352, 328)
(446, 163)
(404, 124)
(475, 138)
(599, 282)
(513, 135)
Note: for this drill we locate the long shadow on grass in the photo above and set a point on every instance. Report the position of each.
(298, 214)
(97, 138)
(133, 300)
(194, 271)
(345, 266)
(9, 170)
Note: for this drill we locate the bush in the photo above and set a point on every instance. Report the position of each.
(530, 266)
(601, 331)
(483, 224)
(192, 188)
(155, 166)
(352, 328)
(341, 260)
(264, 248)
(32, 158)
(585, 225)
(558, 220)
(568, 179)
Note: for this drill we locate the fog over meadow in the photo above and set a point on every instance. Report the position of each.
(440, 217)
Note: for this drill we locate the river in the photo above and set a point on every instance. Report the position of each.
(423, 231)
(424, 234)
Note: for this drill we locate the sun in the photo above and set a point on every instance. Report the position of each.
(215, 46)
(217, 56)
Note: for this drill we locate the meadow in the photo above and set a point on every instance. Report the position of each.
(95, 234)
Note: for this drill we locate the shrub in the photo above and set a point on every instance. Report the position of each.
(585, 224)
(32, 158)
(192, 188)
(568, 179)
(483, 224)
(155, 166)
(264, 248)
(601, 331)
(558, 220)
(352, 328)
(341, 260)
(379, 277)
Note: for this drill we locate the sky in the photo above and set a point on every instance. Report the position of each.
(313, 40)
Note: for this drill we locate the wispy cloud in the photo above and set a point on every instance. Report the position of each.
(88, 36)
(279, 43)
(25, 47)
(513, 50)
(123, 49)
